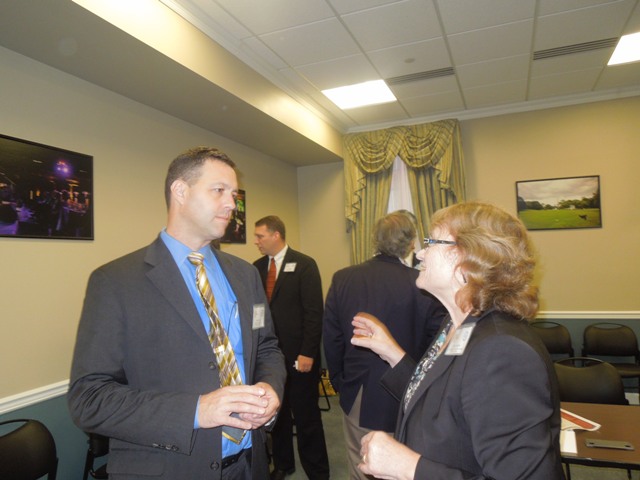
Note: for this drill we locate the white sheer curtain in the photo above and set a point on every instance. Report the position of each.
(400, 195)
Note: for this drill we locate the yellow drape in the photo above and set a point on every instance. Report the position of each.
(433, 154)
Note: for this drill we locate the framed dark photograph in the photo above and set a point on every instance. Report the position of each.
(236, 231)
(45, 192)
(556, 203)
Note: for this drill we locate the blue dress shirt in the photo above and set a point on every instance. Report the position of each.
(227, 305)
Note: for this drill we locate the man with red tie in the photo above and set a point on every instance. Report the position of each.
(294, 290)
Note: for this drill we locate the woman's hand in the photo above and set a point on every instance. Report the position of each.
(371, 333)
(384, 457)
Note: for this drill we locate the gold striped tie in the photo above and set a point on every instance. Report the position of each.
(226, 358)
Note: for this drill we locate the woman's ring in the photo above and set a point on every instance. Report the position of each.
(364, 458)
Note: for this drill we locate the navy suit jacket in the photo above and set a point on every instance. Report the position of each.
(491, 412)
(382, 286)
(142, 359)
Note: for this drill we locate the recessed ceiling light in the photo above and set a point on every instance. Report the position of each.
(627, 51)
(361, 94)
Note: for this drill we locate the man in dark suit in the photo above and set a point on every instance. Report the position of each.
(144, 372)
(294, 291)
(385, 287)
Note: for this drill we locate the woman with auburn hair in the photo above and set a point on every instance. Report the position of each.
(483, 402)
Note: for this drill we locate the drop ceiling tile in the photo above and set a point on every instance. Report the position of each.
(494, 71)
(339, 72)
(211, 18)
(567, 63)
(377, 114)
(349, 6)
(433, 104)
(633, 25)
(463, 15)
(311, 43)
(498, 94)
(490, 43)
(263, 17)
(399, 23)
(620, 76)
(584, 25)
(563, 84)
(548, 7)
(429, 86)
(407, 59)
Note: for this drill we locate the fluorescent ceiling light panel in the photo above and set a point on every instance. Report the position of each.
(360, 94)
(627, 51)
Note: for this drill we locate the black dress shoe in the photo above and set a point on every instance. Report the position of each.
(281, 474)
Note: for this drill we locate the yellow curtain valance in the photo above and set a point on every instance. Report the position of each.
(433, 153)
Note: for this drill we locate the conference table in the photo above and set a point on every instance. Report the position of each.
(618, 422)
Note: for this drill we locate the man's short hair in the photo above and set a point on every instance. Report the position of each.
(187, 166)
(394, 234)
(273, 224)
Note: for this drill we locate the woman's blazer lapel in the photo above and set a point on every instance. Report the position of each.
(439, 368)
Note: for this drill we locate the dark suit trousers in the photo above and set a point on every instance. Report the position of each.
(301, 401)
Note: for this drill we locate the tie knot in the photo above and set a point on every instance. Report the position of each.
(196, 258)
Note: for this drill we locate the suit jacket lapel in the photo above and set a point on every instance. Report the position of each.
(289, 256)
(167, 278)
(439, 368)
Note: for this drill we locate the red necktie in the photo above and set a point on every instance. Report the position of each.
(271, 278)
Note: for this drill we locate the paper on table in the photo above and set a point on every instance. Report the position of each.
(571, 421)
(568, 441)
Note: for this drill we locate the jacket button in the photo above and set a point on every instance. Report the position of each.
(212, 365)
(214, 466)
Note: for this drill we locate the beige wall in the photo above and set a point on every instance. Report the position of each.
(42, 282)
(322, 223)
(584, 269)
(581, 270)
(589, 270)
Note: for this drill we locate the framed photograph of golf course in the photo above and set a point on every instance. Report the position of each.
(556, 203)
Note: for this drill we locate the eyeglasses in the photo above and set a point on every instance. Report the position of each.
(432, 241)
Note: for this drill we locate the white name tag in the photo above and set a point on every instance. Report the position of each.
(258, 316)
(460, 339)
(290, 267)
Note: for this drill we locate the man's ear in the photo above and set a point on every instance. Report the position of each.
(178, 190)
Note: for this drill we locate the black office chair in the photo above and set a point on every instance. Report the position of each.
(98, 447)
(556, 337)
(613, 340)
(28, 452)
(589, 380)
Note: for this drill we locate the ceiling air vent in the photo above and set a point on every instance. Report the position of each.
(577, 48)
(414, 77)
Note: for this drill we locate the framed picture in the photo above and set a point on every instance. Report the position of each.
(45, 192)
(237, 229)
(555, 203)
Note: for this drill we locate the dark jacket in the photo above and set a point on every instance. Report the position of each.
(382, 286)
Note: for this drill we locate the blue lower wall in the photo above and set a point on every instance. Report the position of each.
(71, 442)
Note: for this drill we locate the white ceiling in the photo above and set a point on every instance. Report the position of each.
(303, 46)
(488, 46)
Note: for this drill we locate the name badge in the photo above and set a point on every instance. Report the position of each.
(290, 267)
(258, 316)
(460, 339)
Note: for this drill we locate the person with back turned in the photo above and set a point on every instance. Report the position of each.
(383, 286)
(294, 289)
(176, 359)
